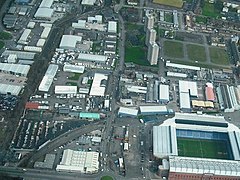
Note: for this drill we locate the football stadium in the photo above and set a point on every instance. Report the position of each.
(199, 145)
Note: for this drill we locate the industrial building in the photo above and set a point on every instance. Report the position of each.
(24, 37)
(112, 27)
(163, 93)
(44, 13)
(127, 112)
(176, 74)
(48, 78)
(73, 68)
(153, 51)
(99, 84)
(150, 36)
(86, 115)
(182, 66)
(92, 58)
(167, 136)
(153, 110)
(69, 41)
(149, 22)
(17, 69)
(10, 89)
(20, 54)
(65, 90)
(88, 2)
(209, 92)
(79, 161)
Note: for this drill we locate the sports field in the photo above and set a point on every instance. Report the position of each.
(174, 3)
(203, 148)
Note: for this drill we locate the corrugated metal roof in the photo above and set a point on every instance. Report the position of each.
(31, 105)
(209, 94)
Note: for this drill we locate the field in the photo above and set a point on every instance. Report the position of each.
(212, 9)
(196, 53)
(5, 35)
(137, 55)
(218, 56)
(203, 148)
(173, 49)
(174, 3)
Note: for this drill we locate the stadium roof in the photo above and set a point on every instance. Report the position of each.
(15, 68)
(79, 161)
(164, 92)
(97, 88)
(153, 109)
(65, 89)
(164, 141)
(12, 89)
(92, 57)
(127, 111)
(69, 41)
(44, 13)
(73, 68)
(235, 144)
(204, 166)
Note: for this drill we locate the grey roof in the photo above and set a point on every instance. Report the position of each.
(15, 68)
(20, 54)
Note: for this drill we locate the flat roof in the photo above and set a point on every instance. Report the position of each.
(20, 54)
(164, 92)
(15, 68)
(88, 2)
(112, 26)
(97, 88)
(153, 109)
(188, 87)
(73, 68)
(69, 41)
(92, 57)
(8, 88)
(127, 111)
(44, 13)
(65, 89)
(176, 74)
(181, 66)
(184, 100)
(89, 115)
(24, 36)
(46, 3)
(136, 89)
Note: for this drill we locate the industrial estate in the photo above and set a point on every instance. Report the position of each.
(116, 89)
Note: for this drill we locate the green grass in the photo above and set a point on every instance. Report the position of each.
(2, 44)
(201, 19)
(5, 35)
(212, 9)
(218, 56)
(71, 83)
(196, 53)
(168, 17)
(75, 76)
(137, 55)
(202, 148)
(132, 26)
(173, 49)
(106, 178)
(174, 3)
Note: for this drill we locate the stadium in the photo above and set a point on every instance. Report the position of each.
(196, 146)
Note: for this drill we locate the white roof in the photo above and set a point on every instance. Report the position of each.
(128, 111)
(77, 161)
(175, 74)
(48, 78)
(136, 89)
(181, 66)
(188, 86)
(24, 36)
(97, 89)
(204, 166)
(184, 100)
(65, 89)
(96, 139)
(88, 2)
(15, 68)
(73, 68)
(45, 32)
(46, 3)
(44, 13)
(7, 88)
(234, 138)
(81, 24)
(31, 24)
(41, 42)
(69, 41)
(112, 26)
(20, 54)
(12, 58)
(32, 48)
(164, 92)
(92, 57)
(164, 141)
(153, 109)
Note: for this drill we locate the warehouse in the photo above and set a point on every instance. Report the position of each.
(79, 161)
(127, 112)
(69, 41)
(41, 42)
(32, 49)
(65, 90)
(24, 37)
(73, 68)
(99, 84)
(20, 54)
(88, 2)
(91, 116)
(153, 110)
(48, 78)
(112, 27)
(45, 32)
(44, 13)
(10, 89)
(209, 92)
(181, 66)
(17, 69)
(46, 3)
(136, 89)
(81, 24)
(175, 74)
(225, 98)
(163, 93)
(92, 58)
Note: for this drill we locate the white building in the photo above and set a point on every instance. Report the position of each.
(92, 58)
(130, 112)
(10, 89)
(73, 68)
(79, 161)
(17, 69)
(182, 66)
(153, 52)
(112, 27)
(46, 32)
(149, 21)
(44, 13)
(41, 42)
(163, 93)
(150, 36)
(99, 84)
(32, 48)
(65, 90)
(69, 41)
(88, 2)
(24, 37)
(153, 110)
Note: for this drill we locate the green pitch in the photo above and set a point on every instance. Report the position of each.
(202, 148)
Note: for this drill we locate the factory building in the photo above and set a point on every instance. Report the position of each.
(153, 110)
(112, 27)
(209, 92)
(92, 58)
(69, 41)
(149, 22)
(127, 112)
(10, 89)
(73, 68)
(150, 36)
(153, 51)
(99, 84)
(65, 89)
(163, 93)
(16, 69)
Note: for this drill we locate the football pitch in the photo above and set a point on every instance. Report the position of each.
(203, 148)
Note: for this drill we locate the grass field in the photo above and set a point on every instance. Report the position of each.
(173, 49)
(75, 76)
(137, 55)
(5, 35)
(196, 53)
(212, 9)
(202, 148)
(1, 44)
(201, 19)
(218, 56)
(174, 3)
(106, 178)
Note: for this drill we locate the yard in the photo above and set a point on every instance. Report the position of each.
(174, 3)
(218, 56)
(173, 49)
(196, 53)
